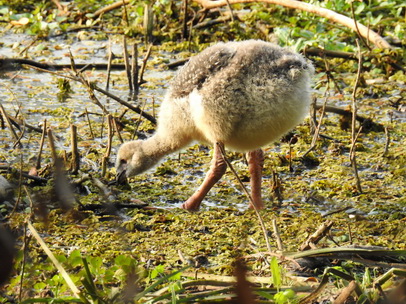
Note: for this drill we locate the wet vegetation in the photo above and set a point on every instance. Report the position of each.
(335, 224)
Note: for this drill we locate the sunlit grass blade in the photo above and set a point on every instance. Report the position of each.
(158, 282)
(58, 265)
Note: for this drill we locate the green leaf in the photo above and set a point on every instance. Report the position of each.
(276, 273)
(360, 8)
(75, 258)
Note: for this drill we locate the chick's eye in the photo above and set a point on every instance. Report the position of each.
(123, 162)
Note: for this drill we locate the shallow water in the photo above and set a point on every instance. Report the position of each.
(34, 96)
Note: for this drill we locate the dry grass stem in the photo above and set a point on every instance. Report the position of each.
(75, 164)
(127, 64)
(354, 133)
(92, 95)
(125, 15)
(387, 141)
(185, 4)
(41, 144)
(345, 293)
(116, 129)
(110, 133)
(357, 28)
(20, 183)
(153, 107)
(134, 71)
(139, 119)
(144, 64)
(52, 257)
(26, 241)
(10, 126)
(89, 124)
(277, 235)
(317, 125)
(231, 10)
(276, 187)
(148, 22)
(51, 142)
(313, 239)
(18, 141)
(109, 60)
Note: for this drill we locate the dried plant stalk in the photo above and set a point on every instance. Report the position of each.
(134, 71)
(89, 124)
(110, 133)
(109, 60)
(277, 235)
(184, 21)
(148, 22)
(10, 126)
(41, 144)
(51, 142)
(387, 142)
(321, 232)
(117, 130)
(62, 271)
(144, 63)
(75, 164)
(109, 143)
(127, 64)
(354, 133)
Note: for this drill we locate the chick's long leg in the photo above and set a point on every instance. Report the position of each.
(255, 164)
(217, 169)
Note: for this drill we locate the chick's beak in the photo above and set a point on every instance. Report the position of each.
(121, 176)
